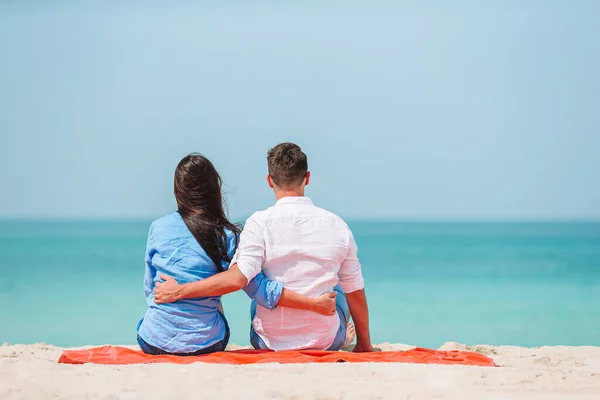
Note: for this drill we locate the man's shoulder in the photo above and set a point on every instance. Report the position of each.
(260, 217)
(265, 217)
(334, 218)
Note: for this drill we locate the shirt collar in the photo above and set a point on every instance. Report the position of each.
(294, 200)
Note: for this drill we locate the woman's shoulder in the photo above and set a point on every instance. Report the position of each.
(171, 223)
(232, 239)
(169, 219)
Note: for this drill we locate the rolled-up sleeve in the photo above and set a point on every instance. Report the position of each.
(350, 274)
(266, 292)
(250, 255)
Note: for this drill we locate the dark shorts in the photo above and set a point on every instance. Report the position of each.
(342, 311)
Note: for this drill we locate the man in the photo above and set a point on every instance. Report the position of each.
(306, 248)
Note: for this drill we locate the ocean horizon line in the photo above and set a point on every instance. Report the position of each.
(418, 220)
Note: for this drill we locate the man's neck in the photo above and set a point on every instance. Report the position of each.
(288, 193)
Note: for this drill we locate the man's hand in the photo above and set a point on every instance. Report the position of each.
(357, 303)
(167, 291)
(325, 304)
(363, 348)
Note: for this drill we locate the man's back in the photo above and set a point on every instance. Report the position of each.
(309, 250)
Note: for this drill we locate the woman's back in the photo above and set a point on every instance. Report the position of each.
(187, 325)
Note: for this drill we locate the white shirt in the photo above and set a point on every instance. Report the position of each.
(309, 250)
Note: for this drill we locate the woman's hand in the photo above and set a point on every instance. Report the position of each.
(167, 291)
(324, 304)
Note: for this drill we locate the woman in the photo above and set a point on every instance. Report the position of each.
(194, 243)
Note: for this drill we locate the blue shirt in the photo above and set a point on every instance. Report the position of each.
(188, 325)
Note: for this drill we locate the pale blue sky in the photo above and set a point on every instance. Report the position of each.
(421, 110)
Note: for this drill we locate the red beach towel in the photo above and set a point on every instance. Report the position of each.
(122, 355)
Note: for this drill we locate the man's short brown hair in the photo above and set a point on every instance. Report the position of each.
(287, 164)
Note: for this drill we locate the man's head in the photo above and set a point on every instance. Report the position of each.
(288, 168)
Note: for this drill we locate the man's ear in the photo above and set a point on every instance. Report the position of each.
(270, 181)
(307, 178)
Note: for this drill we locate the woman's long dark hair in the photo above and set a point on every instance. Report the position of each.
(200, 204)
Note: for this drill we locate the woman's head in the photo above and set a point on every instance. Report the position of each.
(200, 203)
(198, 187)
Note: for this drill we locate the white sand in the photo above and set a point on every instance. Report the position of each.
(31, 372)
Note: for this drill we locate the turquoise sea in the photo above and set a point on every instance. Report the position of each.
(72, 283)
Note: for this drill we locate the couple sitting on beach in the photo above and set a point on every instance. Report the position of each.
(296, 261)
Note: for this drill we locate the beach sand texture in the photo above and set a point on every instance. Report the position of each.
(31, 372)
